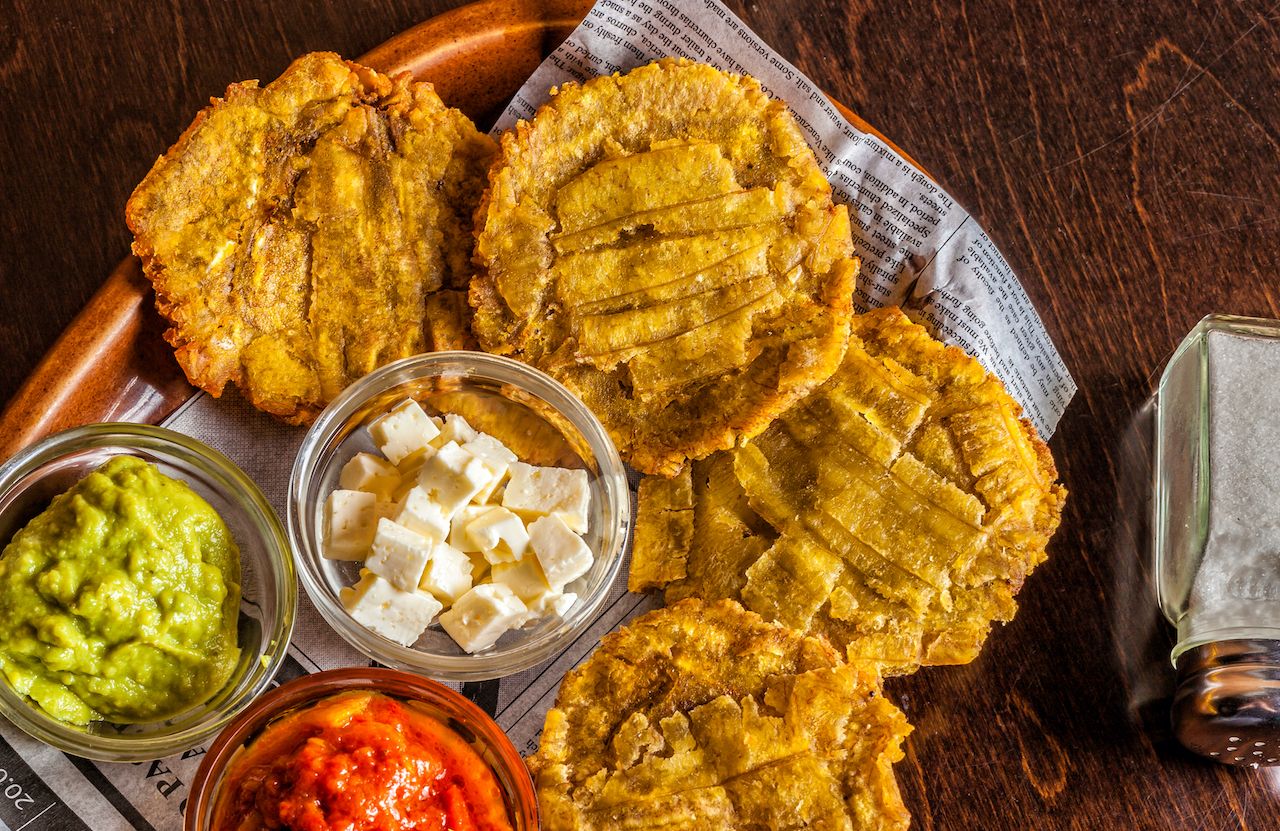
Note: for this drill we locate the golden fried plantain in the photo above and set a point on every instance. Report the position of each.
(301, 234)
(703, 716)
(664, 244)
(895, 511)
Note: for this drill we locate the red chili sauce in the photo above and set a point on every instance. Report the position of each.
(359, 761)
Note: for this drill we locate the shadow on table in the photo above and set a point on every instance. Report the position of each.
(1143, 638)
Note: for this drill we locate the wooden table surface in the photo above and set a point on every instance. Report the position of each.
(1125, 157)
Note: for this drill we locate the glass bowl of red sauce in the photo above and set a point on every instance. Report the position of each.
(364, 749)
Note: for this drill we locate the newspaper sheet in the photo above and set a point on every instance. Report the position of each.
(917, 246)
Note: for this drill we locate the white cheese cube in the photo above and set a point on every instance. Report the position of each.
(448, 573)
(563, 555)
(458, 536)
(500, 534)
(487, 447)
(525, 579)
(562, 603)
(418, 513)
(403, 430)
(399, 555)
(397, 615)
(352, 520)
(482, 615)
(452, 477)
(498, 475)
(553, 602)
(408, 467)
(366, 472)
(498, 458)
(543, 491)
(456, 429)
(479, 567)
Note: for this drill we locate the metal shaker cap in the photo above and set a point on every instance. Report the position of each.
(1227, 703)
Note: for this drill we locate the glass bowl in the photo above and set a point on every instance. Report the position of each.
(541, 421)
(31, 479)
(440, 702)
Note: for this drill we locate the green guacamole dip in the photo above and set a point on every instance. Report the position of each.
(120, 600)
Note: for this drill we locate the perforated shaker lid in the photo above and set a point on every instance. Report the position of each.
(1227, 704)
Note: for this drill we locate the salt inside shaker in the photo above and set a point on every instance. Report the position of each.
(1217, 535)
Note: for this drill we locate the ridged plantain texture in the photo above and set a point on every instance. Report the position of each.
(301, 234)
(896, 511)
(664, 244)
(704, 716)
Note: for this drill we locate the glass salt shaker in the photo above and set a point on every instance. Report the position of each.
(1217, 535)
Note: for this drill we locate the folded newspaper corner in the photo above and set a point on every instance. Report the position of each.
(917, 247)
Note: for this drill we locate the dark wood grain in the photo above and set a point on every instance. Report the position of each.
(1124, 156)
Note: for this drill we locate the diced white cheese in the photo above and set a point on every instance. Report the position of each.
(366, 472)
(399, 555)
(448, 573)
(562, 603)
(498, 472)
(553, 602)
(409, 468)
(352, 522)
(525, 579)
(403, 430)
(498, 458)
(500, 534)
(456, 429)
(543, 491)
(479, 567)
(563, 555)
(487, 447)
(458, 536)
(443, 482)
(452, 477)
(418, 513)
(482, 615)
(398, 615)
(497, 476)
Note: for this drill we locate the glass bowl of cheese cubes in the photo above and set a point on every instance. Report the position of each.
(458, 514)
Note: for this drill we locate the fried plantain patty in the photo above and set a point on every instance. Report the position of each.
(301, 234)
(664, 244)
(703, 716)
(896, 510)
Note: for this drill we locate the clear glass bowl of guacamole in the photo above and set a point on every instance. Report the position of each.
(148, 590)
